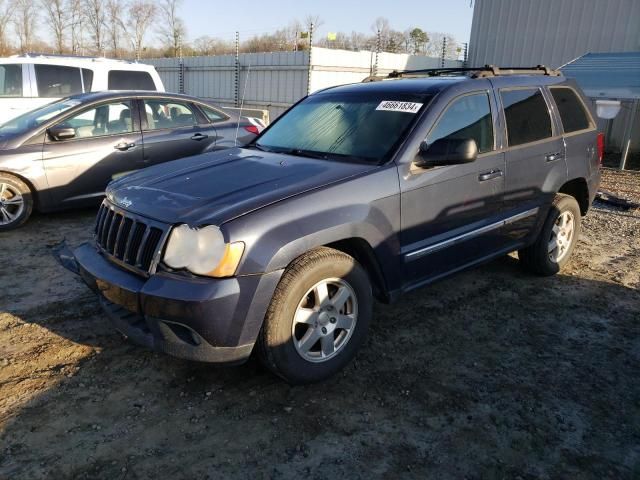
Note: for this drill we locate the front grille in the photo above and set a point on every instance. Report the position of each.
(131, 241)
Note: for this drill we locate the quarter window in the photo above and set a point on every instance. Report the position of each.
(168, 114)
(57, 81)
(572, 112)
(106, 119)
(527, 116)
(10, 80)
(212, 114)
(468, 117)
(127, 80)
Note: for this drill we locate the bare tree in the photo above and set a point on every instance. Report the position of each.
(96, 19)
(141, 14)
(115, 24)
(314, 20)
(435, 42)
(57, 17)
(6, 10)
(173, 29)
(24, 19)
(76, 24)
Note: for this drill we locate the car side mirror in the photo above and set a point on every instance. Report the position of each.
(447, 151)
(62, 133)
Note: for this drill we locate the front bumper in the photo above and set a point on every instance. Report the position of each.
(201, 319)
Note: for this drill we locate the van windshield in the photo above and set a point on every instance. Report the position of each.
(345, 126)
(37, 117)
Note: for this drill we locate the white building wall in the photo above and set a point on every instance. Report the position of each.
(551, 32)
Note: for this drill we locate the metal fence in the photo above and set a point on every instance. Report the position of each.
(274, 81)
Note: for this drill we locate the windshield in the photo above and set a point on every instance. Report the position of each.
(350, 126)
(37, 117)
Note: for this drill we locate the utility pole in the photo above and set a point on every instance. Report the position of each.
(465, 57)
(310, 62)
(378, 47)
(444, 51)
(181, 65)
(237, 99)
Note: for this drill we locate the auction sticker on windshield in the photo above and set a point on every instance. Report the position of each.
(395, 106)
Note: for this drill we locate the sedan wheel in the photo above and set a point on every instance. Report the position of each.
(11, 204)
(16, 202)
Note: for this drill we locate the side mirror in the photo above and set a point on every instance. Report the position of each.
(62, 133)
(447, 151)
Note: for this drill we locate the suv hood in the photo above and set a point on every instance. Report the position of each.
(215, 187)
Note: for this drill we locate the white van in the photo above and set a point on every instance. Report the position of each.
(30, 81)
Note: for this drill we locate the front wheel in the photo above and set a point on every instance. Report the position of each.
(318, 317)
(16, 202)
(553, 248)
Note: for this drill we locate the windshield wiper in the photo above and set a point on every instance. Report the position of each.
(257, 147)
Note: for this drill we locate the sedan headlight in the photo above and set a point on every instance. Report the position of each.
(202, 251)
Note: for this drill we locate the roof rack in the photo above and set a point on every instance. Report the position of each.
(474, 72)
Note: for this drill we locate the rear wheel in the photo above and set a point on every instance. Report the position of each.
(16, 202)
(554, 246)
(318, 317)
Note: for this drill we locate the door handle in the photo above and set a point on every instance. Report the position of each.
(483, 177)
(552, 157)
(124, 146)
(199, 136)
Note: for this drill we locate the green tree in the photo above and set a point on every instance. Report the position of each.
(419, 39)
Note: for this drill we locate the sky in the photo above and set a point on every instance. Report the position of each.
(222, 18)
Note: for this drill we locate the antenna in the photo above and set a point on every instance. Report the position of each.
(244, 92)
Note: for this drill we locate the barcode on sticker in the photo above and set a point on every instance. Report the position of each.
(395, 106)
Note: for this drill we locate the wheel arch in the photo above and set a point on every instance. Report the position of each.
(578, 189)
(363, 253)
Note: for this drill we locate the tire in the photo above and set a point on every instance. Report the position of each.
(287, 346)
(16, 202)
(541, 258)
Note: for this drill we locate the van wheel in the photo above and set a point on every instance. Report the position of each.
(554, 246)
(16, 202)
(318, 317)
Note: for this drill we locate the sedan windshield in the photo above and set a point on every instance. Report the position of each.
(350, 126)
(37, 117)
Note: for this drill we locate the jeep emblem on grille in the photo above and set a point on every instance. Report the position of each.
(125, 202)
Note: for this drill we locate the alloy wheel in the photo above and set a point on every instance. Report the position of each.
(324, 320)
(561, 237)
(11, 204)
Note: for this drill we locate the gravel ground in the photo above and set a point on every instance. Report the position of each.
(489, 374)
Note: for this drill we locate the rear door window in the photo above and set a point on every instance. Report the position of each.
(161, 114)
(127, 80)
(527, 116)
(468, 117)
(10, 80)
(57, 81)
(572, 112)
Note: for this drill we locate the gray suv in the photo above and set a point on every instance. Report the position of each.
(357, 192)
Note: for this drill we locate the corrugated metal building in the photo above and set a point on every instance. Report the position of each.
(551, 32)
(614, 76)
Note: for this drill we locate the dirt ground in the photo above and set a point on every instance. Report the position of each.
(489, 374)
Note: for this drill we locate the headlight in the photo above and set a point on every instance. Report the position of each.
(202, 251)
